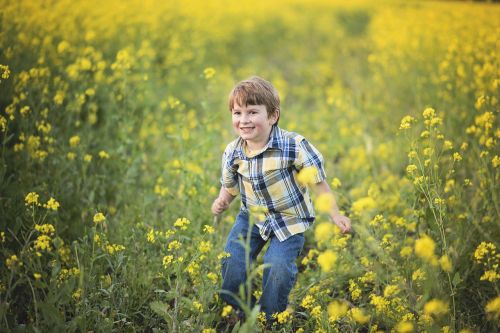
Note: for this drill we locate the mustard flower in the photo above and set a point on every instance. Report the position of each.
(324, 231)
(308, 302)
(429, 113)
(324, 202)
(12, 262)
(198, 306)
(99, 218)
(31, 199)
(492, 309)
(182, 223)
(208, 229)
(167, 260)
(226, 310)
(337, 310)
(209, 72)
(406, 122)
(326, 260)
(424, 248)
(404, 327)
(359, 316)
(103, 154)
(283, 317)
(74, 141)
(43, 243)
(336, 183)
(435, 307)
(445, 263)
(307, 176)
(174, 245)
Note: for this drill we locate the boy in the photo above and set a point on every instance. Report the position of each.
(262, 166)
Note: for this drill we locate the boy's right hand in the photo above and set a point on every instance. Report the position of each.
(219, 206)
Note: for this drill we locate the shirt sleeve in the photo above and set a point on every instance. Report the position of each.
(309, 156)
(229, 179)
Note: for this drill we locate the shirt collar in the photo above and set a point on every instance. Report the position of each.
(275, 141)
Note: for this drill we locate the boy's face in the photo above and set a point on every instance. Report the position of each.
(252, 124)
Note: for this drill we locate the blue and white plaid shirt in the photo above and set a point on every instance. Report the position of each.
(267, 182)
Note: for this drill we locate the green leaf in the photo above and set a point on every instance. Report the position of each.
(456, 279)
(160, 309)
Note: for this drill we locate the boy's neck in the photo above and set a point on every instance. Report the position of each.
(254, 146)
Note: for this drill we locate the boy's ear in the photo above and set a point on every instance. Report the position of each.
(275, 116)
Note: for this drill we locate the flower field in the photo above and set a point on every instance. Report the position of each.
(114, 117)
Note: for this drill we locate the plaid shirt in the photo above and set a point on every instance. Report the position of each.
(267, 182)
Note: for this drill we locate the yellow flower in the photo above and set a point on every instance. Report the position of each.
(457, 157)
(490, 275)
(103, 154)
(174, 245)
(167, 260)
(283, 317)
(98, 218)
(209, 73)
(198, 306)
(404, 327)
(37, 276)
(406, 251)
(326, 260)
(380, 303)
(77, 294)
(31, 199)
(445, 263)
(47, 229)
(492, 309)
(87, 158)
(12, 262)
(52, 204)
(308, 302)
(483, 249)
(208, 229)
(391, 290)
(359, 316)
(336, 183)
(424, 248)
(74, 141)
(337, 310)
(209, 330)
(43, 242)
(410, 169)
(324, 202)
(226, 310)
(71, 156)
(435, 307)
(182, 223)
(205, 246)
(307, 176)
(316, 312)
(418, 275)
(429, 113)
(354, 290)
(324, 231)
(406, 122)
(212, 277)
(363, 204)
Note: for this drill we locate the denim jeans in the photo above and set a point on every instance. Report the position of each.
(278, 278)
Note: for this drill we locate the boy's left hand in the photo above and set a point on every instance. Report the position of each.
(343, 222)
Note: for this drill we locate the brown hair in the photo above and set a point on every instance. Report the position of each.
(256, 91)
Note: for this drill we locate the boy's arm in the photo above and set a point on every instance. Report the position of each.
(222, 202)
(343, 222)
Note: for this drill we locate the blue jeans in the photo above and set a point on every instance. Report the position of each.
(278, 278)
